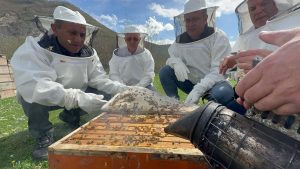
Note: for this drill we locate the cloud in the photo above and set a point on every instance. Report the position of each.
(164, 12)
(113, 19)
(232, 42)
(163, 41)
(110, 21)
(169, 27)
(123, 21)
(151, 26)
(180, 1)
(154, 27)
(225, 6)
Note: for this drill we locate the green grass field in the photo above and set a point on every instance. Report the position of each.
(15, 143)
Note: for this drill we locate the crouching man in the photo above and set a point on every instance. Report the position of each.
(58, 70)
(195, 57)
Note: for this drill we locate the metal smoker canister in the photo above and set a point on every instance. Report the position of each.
(233, 141)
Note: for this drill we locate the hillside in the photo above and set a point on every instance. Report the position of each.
(16, 22)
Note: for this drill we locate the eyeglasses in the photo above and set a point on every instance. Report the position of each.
(135, 39)
(192, 19)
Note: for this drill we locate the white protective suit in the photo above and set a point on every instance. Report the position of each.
(286, 18)
(133, 70)
(198, 61)
(202, 58)
(52, 79)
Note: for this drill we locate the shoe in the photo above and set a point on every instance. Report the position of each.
(41, 149)
(71, 117)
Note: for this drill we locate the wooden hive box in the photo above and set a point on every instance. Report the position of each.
(7, 85)
(114, 141)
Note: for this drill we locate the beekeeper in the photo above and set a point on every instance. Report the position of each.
(131, 63)
(252, 16)
(256, 16)
(280, 93)
(263, 15)
(195, 56)
(55, 70)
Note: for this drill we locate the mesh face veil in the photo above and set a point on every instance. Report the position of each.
(180, 23)
(64, 14)
(131, 36)
(244, 19)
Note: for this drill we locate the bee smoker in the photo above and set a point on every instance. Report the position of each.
(233, 141)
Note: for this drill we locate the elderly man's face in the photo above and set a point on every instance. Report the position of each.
(132, 40)
(70, 35)
(261, 10)
(195, 23)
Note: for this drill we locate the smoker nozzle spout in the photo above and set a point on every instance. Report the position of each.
(187, 126)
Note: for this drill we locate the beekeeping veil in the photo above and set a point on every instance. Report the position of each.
(244, 19)
(193, 6)
(62, 13)
(131, 31)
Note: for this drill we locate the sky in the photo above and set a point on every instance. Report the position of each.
(154, 16)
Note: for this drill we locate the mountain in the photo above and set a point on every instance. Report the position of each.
(16, 22)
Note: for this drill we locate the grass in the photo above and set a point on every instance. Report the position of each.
(15, 143)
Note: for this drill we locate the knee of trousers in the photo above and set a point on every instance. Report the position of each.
(223, 93)
(35, 109)
(166, 72)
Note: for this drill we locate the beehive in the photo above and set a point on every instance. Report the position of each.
(7, 85)
(115, 141)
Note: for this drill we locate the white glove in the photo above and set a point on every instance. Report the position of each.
(181, 71)
(88, 102)
(194, 95)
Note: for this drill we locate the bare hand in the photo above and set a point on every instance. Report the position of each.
(227, 63)
(274, 84)
(244, 61)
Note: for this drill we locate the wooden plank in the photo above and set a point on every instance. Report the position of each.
(7, 93)
(123, 161)
(5, 69)
(162, 137)
(149, 119)
(115, 130)
(7, 85)
(134, 143)
(136, 128)
(6, 78)
(74, 132)
(3, 61)
(88, 149)
(115, 141)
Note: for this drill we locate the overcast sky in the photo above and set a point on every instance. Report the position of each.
(155, 16)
